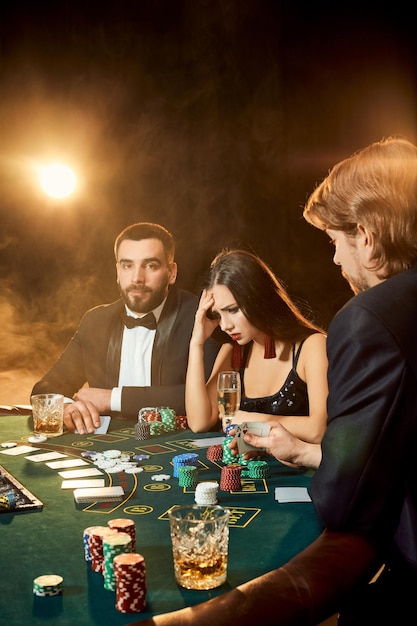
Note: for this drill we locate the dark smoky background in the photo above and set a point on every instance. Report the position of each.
(215, 118)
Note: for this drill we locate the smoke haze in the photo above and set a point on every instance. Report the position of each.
(214, 118)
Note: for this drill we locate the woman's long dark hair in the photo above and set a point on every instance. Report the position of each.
(260, 295)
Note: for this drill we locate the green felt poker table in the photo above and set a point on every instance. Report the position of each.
(264, 533)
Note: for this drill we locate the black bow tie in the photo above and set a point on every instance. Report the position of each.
(148, 321)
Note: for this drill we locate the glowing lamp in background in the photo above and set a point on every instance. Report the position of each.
(57, 180)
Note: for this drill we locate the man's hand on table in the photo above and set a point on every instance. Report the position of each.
(83, 415)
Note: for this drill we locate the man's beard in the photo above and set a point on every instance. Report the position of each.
(137, 304)
(357, 284)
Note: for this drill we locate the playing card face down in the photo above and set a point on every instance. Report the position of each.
(254, 428)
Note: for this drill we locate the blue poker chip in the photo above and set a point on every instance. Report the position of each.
(89, 454)
(141, 457)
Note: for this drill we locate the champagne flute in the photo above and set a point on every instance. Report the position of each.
(228, 395)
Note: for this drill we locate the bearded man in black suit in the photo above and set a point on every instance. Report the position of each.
(132, 353)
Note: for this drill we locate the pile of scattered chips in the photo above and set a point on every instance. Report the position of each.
(114, 461)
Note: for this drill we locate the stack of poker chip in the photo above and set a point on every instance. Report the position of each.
(189, 458)
(130, 575)
(230, 478)
(86, 536)
(123, 525)
(168, 418)
(228, 428)
(146, 417)
(181, 422)
(206, 493)
(95, 544)
(142, 430)
(241, 460)
(113, 545)
(215, 452)
(149, 414)
(258, 469)
(187, 476)
(227, 457)
(157, 428)
(49, 585)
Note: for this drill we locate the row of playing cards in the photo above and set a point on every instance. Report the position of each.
(254, 428)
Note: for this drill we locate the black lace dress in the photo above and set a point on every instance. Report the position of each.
(291, 399)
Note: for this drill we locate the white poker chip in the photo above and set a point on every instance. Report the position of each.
(9, 444)
(38, 438)
(207, 486)
(206, 501)
(105, 464)
(115, 469)
(133, 469)
(160, 477)
(112, 454)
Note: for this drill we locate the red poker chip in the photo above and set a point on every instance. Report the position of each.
(181, 422)
(124, 525)
(215, 452)
(130, 574)
(230, 478)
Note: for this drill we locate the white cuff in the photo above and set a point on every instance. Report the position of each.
(116, 399)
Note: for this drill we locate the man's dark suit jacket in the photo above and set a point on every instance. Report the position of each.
(93, 356)
(367, 481)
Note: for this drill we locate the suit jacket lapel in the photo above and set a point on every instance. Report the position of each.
(114, 350)
(163, 332)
